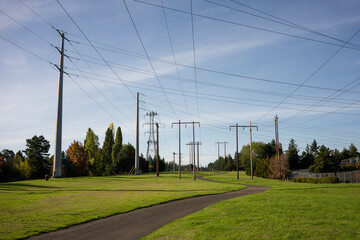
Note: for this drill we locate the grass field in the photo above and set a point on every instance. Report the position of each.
(287, 211)
(31, 207)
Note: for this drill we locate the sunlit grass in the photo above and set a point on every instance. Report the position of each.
(31, 207)
(286, 211)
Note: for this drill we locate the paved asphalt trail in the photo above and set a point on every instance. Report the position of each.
(141, 222)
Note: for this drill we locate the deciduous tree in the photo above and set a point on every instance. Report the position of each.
(77, 155)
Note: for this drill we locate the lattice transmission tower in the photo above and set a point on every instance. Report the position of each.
(151, 143)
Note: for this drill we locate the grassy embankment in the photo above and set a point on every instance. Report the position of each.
(31, 207)
(287, 211)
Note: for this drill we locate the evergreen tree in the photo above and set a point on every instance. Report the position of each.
(292, 155)
(353, 151)
(91, 145)
(117, 145)
(37, 156)
(307, 158)
(125, 159)
(324, 161)
(105, 167)
(144, 164)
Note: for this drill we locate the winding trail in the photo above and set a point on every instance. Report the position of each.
(141, 222)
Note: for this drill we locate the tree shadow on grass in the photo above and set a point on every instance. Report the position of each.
(23, 186)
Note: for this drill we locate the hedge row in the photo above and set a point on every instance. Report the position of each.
(332, 179)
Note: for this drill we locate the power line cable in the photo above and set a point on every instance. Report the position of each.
(28, 29)
(242, 25)
(107, 112)
(208, 96)
(173, 53)
(240, 76)
(146, 53)
(194, 54)
(97, 75)
(98, 90)
(97, 51)
(139, 70)
(24, 49)
(282, 21)
(311, 75)
(32, 10)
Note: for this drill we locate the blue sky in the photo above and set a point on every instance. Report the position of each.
(253, 59)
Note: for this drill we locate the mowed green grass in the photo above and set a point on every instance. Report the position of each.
(286, 211)
(30, 207)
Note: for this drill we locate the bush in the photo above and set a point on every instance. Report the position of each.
(332, 179)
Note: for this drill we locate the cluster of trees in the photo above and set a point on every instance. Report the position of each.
(80, 159)
(114, 157)
(321, 158)
(33, 162)
(266, 164)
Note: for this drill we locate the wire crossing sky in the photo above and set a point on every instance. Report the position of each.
(216, 62)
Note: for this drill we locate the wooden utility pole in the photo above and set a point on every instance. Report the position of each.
(193, 123)
(237, 150)
(251, 155)
(277, 143)
(58, 133)
(157, 149)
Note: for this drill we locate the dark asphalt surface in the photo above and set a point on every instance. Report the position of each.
(141, 222)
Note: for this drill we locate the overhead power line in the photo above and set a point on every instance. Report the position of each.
(219, 72)
(97, 51)
(147, 55)
(282, 21)
(311, 75)
(173, 53)
(243, 25)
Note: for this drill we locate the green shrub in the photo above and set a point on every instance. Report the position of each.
(331, 179)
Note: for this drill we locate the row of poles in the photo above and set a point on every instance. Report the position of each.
(58, 133)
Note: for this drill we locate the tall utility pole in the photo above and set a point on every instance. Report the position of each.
(251, 155)
(137, 136)
(193, 123)
(277, 143)
(157, 149)
(237, 150)
(58, 133)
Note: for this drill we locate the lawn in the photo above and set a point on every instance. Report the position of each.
(30, 207)
(286, 211)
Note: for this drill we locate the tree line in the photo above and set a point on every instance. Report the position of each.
(80, 159)
(265, 164)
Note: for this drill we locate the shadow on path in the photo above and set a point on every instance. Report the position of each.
(141, 222)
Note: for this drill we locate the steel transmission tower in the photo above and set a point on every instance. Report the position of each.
(151, 143)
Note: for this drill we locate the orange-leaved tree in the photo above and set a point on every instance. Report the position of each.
(78, 156)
